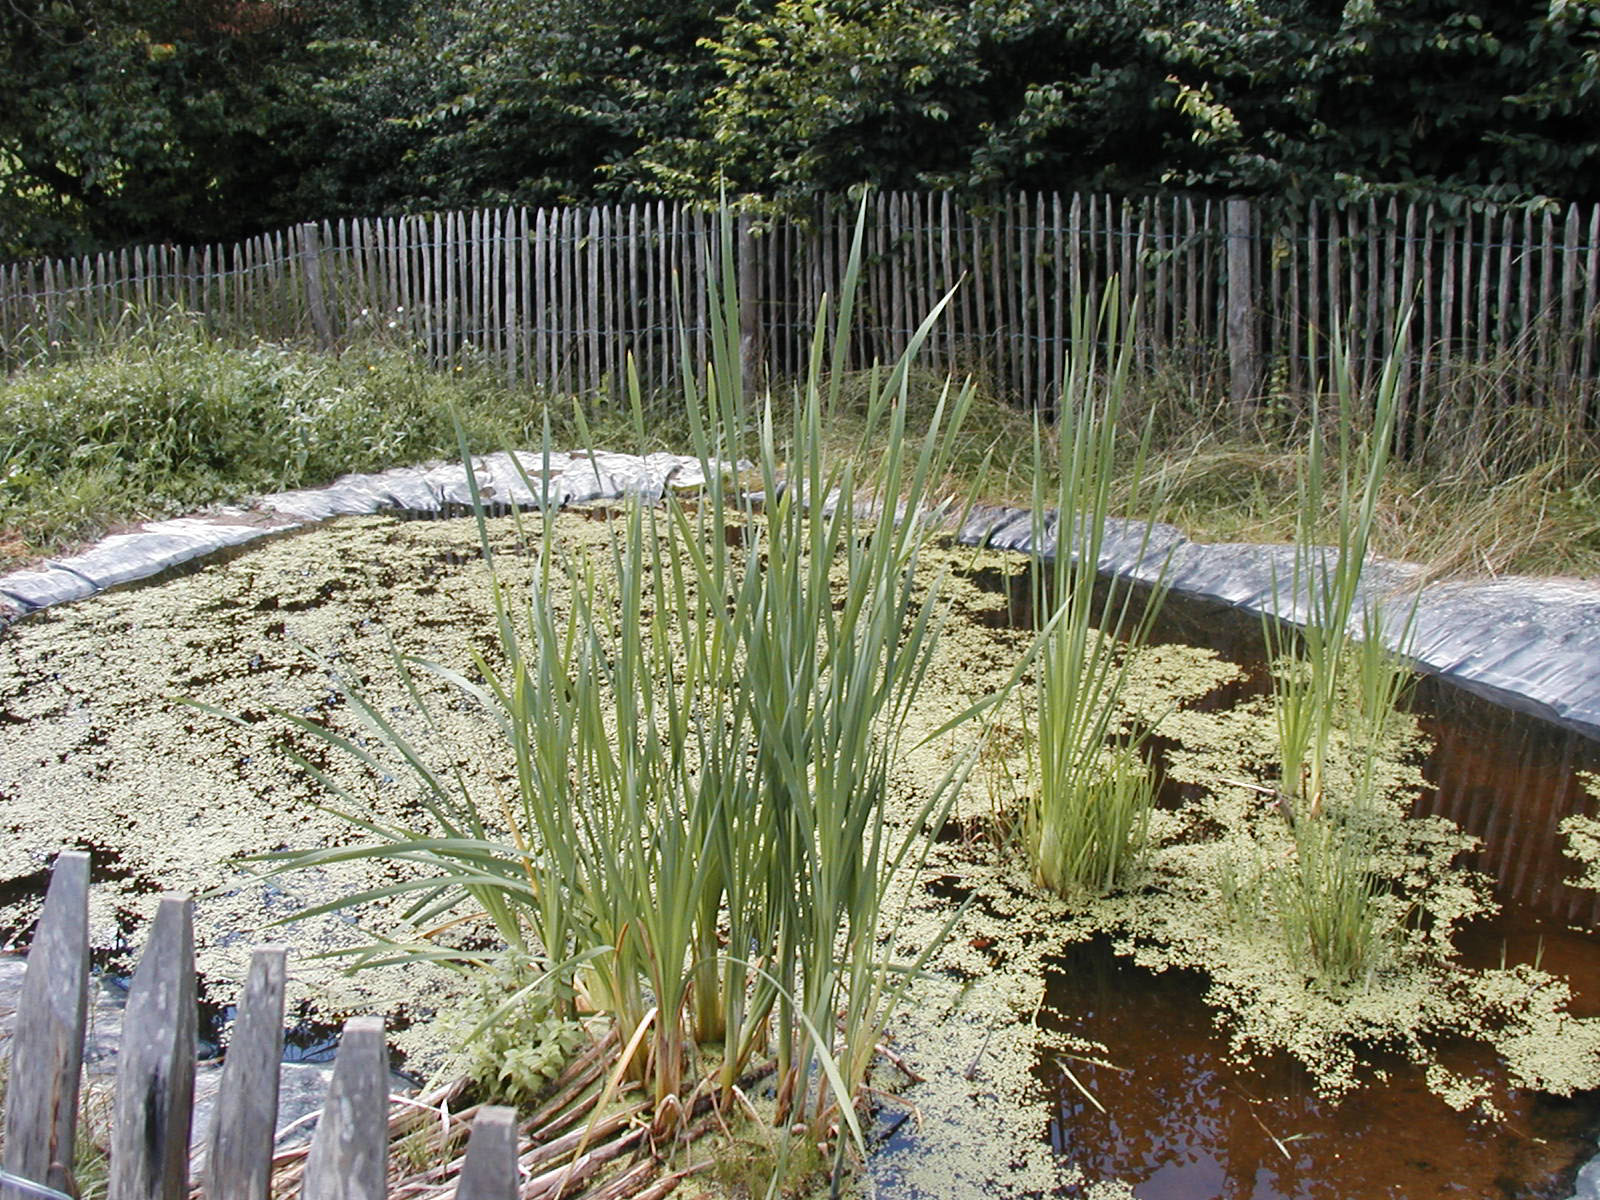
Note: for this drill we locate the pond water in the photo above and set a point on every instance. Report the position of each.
(1165, 1111)
(1172, 1114)
(1180, 1121)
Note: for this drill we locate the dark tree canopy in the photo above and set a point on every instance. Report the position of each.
(159, 119)
(191, 120)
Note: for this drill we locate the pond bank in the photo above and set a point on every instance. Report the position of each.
(1531, 644)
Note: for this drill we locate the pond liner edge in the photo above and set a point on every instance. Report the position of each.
(1528, 644)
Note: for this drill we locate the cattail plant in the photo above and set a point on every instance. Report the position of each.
(1087, 821)
(701, 720)
(1336, 677)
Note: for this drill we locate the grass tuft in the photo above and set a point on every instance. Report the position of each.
(1085, 827)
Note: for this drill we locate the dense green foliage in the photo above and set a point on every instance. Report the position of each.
(162, 120)
(186, 120)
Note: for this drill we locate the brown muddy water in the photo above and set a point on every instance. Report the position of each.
(1175, 1119)
(1164, 1112)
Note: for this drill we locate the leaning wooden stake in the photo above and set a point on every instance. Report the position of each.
(316, 301)
(155, 1067)
(47, 1045)
(349, 1156)
(239, 1144)
(490, 1172)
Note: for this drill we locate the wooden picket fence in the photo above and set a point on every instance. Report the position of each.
(151, 1109)
(1506, 301)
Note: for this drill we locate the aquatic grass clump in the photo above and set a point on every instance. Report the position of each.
(1336, 681)
(1086, 823)
(836, 629)
(1326, 903)
(700, 722)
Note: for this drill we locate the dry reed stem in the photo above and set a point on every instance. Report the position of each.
(603, 1129)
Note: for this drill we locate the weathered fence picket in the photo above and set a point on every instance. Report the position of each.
(41, 1111)
(1231, 291)
(349, 1157)
(155, 1080)
(238, 1161)
(155, 1064)
(490, 1172)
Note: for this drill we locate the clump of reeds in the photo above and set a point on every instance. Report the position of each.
(701, 722)
(1088, 818)
(1336, 683)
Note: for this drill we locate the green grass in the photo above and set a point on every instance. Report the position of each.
(167, 417)
(170, 418)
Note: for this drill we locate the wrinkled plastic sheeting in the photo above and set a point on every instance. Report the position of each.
(347, 496)
(1587, 1185)
(556, 479)
(1138, 550)
(1530, 644)
(41, 588)
(525, 479)
(1532, 640)
(125, 557)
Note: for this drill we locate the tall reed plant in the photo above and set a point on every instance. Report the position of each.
(836, 628)
(702, 719)
(1337, 682)
(1089, 816)
(1325, 583)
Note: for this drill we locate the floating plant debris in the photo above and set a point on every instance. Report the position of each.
(96, 750)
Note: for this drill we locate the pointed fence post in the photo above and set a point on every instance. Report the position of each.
(349, 1156)
(490, 1172)
(155, 1067)
(316, 298)
(1244, 368)
(749, 284)
(47, 1043)
(239, 1143)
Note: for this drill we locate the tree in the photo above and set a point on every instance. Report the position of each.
(1485, 100)
(534, 102)
(905, 93)
(1292, 98)
(182, 120)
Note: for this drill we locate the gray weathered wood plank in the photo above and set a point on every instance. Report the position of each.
(1242, 364)
(239, 1143)
(41, 1113)
(490, 1170)
(349, 1154)
(155, 1065)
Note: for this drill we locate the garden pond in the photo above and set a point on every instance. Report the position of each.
(1145, 1044)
